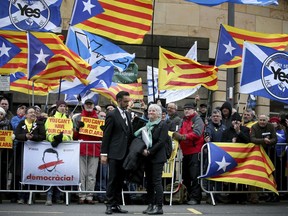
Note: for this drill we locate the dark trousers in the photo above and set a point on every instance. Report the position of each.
(190, 172)
(115, 182)
(154, 183)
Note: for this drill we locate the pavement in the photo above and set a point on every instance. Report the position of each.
(74, 209)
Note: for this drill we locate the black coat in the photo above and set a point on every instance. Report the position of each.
(242, 137)
(116, 135)
(38, 131)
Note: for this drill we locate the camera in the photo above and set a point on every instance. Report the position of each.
(137, 104)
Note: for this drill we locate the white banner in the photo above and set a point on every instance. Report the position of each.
(45, 165)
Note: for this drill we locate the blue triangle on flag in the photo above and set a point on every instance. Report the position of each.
(84, 10)
(7, 51)
(39, 55)
(219, 161)
(227, 48)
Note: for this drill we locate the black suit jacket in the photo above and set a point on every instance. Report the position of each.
(116, 135)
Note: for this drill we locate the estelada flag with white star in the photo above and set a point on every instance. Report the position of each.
(49, 59)
(230, 44)
(240, 163)
(85, 10)
(179, 72)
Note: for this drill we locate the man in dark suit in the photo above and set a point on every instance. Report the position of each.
(116, 139)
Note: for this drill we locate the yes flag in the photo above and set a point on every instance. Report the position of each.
(7, 51)
(97, 51)
(30, 15)
(252, 166)
(217, 2)
(230, 44)
(122, 20)
(85, 9)
(178, 72)
(264, 72)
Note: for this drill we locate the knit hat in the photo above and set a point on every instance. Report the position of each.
(2, 111)
(274, 119)
(60, 102)
(89, 101)
(236, 117)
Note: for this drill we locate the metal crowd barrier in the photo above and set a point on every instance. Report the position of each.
(280, 175)
(11, 174)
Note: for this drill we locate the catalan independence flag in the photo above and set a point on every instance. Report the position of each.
(230, 44)
(122, 20)
(135, 90)
(50, 59)
(17, 40)
(19, 82)
(178, 72)
(240, 163)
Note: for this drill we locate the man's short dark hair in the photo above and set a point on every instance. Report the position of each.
(3, 98)
(121, 94)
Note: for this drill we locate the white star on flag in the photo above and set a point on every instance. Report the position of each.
(4, 50)
(88, 6)
(229, 48)
(222, 164)
(41, 57)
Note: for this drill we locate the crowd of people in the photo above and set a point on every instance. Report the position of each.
(192, 130)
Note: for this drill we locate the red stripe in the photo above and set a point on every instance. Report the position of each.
(258, 39)
(125, 11)
(15, 65)
(233, 62)
(112, 30)
(137, 3)
(177, 83)
(246, 176)
(195, 66)
(197, 76)
(124, 22)
(27, 86)
(249, 166)
(239, 149)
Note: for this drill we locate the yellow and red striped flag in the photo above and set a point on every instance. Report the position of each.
(178, 72)
(230, 44)
(59, 61)
(252, 167)
(135, 90)
(19, 61)
(19, 82)
(122, 20)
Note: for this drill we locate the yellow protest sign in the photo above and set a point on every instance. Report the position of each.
(92, 126)
(58, 125)
(6, 139)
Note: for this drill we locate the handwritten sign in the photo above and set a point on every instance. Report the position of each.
(92, 126)
(6, 139)
(58, 125)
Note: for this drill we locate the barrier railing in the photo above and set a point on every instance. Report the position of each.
(11, 166)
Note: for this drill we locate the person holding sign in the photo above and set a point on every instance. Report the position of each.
(117, 136)
(59, 128)
(89, 152)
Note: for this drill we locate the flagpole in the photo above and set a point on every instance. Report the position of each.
(152, 44)
(46, 103)
(59, 88)
(230, 71)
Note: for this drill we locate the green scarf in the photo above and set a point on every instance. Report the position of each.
(149, 126)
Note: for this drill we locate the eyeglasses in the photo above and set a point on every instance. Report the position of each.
(170, 108)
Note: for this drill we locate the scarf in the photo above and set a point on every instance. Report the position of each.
(149, 127)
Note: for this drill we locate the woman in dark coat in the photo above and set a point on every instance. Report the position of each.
(30, 128)
(155, 158)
